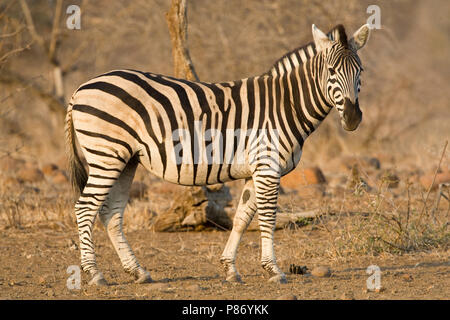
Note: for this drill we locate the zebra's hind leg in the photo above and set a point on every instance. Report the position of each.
(266, 194)
(244, 215)
(95, 192)
(111, 215)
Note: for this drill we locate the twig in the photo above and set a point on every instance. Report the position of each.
(12, 34)
(6, 55)
(30, 24)
(434, 179)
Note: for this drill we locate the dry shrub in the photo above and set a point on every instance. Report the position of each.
(381, 223)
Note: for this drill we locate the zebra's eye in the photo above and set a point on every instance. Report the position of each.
(331, 70)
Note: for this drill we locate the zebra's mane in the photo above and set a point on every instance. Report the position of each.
(301, 54)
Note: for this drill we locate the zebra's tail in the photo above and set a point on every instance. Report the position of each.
(77, 172)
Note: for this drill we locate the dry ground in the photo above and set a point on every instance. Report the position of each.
(185, 266)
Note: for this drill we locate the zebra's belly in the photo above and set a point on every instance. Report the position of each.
(203, 174)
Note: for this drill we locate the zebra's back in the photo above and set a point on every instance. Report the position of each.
(189, 133)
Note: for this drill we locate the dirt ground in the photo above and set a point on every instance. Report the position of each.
(186, 266)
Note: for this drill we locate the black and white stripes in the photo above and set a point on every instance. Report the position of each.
(196, 133)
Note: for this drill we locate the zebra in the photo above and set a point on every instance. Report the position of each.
(127, 117)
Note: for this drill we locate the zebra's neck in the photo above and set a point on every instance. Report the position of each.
(301, 96)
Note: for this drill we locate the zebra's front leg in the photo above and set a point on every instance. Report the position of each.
(244, 215)
(266, 193)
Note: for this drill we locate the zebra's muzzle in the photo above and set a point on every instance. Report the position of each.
(351, 116)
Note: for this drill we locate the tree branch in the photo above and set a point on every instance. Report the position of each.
(55, 32)
(30, 24)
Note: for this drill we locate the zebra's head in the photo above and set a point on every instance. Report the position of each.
(340, 71)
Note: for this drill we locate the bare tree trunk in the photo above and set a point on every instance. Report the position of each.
(196, 206)
(176, 19)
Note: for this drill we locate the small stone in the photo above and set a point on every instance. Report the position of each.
(376, 290)
(321, 271)
(288, 296)
(407, 277)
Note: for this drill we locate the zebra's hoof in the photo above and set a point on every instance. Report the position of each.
(279, 278)
(234, 278)
(98, 280)
(143, 277)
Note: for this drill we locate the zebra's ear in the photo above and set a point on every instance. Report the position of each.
(359, 38)
(320, 39)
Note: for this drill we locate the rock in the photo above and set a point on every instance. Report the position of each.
(427, 179)
(138, 190)
(303, 177)
(288, 296)
(30, 175)
(321, 271)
